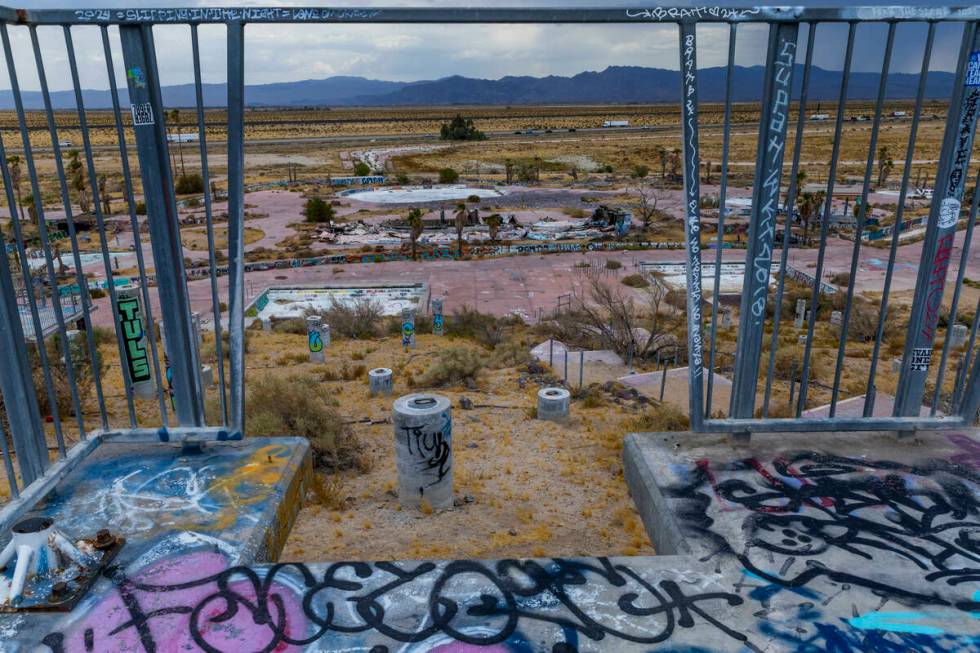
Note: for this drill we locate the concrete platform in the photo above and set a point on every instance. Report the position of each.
(842, 542)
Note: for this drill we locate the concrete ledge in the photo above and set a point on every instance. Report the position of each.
(663, 529)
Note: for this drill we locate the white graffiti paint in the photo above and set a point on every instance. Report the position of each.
(218, 14)
(949, 212)
(687, 13)
(693, 215)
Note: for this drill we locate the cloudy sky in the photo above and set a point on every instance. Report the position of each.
(411, 52)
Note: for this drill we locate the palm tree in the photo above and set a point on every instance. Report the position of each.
(460, 217)
(494, 220)
(415, 226)
(16, 176)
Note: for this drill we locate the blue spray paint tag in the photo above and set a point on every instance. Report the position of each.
(973, 70)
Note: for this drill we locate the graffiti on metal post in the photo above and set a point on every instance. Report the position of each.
(692, 210)
(131, 327)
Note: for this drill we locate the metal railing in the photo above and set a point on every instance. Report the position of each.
(174, 375)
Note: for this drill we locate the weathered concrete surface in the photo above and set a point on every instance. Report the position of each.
(842, 542)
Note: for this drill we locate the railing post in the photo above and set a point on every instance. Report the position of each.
(773, 122)
(692, 220)
(16, 379)
(236, 221)
(937, 250)
(148, 115)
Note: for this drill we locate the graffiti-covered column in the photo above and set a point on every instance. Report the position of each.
(423, 450)
(408, 328)
(438, 324)
(314, 339)
(937, 250)
(136, 366)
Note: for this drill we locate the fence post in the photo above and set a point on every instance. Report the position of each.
(765, 207)
(236, 221)
(158, 192)
(937, 250)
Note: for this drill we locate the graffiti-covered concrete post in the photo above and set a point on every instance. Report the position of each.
(423, 450)
(408, 328)
(380, 381)
(438, 324)
(136, 367)
(800, 313)
(314, 339)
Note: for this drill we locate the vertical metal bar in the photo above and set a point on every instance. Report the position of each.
(722, 197)
(52, 278)
(236, 220)
(788, 225)
(39, 341)
(869, 400)
(215, 304)
(100, 222)
(954, 161)
(967, 358)
(76, 257)
(765, 208)
(8, 464)
(692, 219)
(134, 224)
(862, 214)
(955, 305)
(825, 222)
(151, 142)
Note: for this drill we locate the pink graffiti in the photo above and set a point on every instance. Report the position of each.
(159, 602)
(969, 447)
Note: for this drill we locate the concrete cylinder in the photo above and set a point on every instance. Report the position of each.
(408, 328)
(438, 324)
(958, 339)
(836, 318)
(896, 365)
(553, 404)
(266, 324)
(800, 313)
(207, 376)
(325, 334)
(380, 381)
(196, 327)
(314, 339)
(136, 365)
(423, 450)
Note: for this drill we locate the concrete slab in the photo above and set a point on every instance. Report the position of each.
(861, 541)
(676, 387)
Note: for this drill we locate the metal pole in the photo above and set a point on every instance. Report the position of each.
(788, 223)
(236, 219)
(134, 225)
(862, 214)
(722, 198)
(215, 304)
(692, 219)
(151, 142)
(944, 213)
(581, 368)
(869, 400)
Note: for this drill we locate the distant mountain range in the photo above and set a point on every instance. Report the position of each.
(614, 85)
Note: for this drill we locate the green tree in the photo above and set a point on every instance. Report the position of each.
(885, 165)
(415, 230)
(460, 129)
(76, 180)
(361, 169)
(448, 176)
(460, 220)
(318, 211)
(494, 221)
(640, 171)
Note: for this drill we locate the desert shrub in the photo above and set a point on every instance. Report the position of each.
(281, 404)
(104, 335)
(192, 183)
(664, 417)
(448, 176)
(326, 491)
(510, 353)
(358, 320)
(453, 366)
(294, 325)
(317, 211)
(96, 293)
(361, 169)
(636, 281)
(613, 264)
(140, 208)
(488, 330)
(841, 279)
(209, 353)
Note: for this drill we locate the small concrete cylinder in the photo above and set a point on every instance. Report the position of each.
(266, 324)
(553, 404)
(408, 328)
(136, 365)
(438, 324)
(423, 450)
(836, 318)
(314, 339)
(896, 365)
(958, 339)
(207, 376)
(380, 381)
(325, 334)
(196, 326)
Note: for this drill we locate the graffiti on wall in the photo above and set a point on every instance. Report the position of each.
(134, 341)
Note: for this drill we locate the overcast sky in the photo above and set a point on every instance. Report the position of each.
(412, 52)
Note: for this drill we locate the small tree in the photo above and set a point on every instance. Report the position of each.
(318, 211)
(662, 156)
(361, 169)
(460, 219)
(104, 195)
(448, 176)
(885, 165)
(76, 177)
(415, 230)
(674, 162)
(16, 176)
(494, 221)
(187, 184)
(646, 205)
(460, 129)
(639, 171)
(175, 116)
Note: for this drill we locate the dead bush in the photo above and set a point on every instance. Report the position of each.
(488, 330)
(359, 320)
(510, 353)
(664, 417)
(288, 404)
(453, 366)
(293, 325)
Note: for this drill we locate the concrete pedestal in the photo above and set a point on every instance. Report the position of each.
(423, 450)
(553, 404)
(380, 381)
